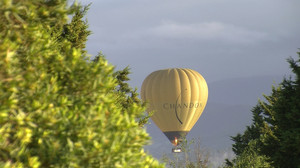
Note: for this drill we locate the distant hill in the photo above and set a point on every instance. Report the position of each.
(228, 112)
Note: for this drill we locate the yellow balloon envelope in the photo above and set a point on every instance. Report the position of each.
(178, 97)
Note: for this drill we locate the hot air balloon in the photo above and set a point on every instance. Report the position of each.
(177, 97)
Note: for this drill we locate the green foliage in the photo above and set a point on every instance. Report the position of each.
(76, 32)
(250, 157)
(128, 96)
(58, 109)
(251, 133)
(276, 125)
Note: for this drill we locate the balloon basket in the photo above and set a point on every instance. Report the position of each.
(176, 150)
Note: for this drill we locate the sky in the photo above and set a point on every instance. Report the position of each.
(219, 39)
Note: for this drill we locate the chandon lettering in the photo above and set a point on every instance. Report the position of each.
(181, 106)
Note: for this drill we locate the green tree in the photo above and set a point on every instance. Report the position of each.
(250, 157)
(58, 109)
(252, 132)
(276, 125)
(127, 96)
(76, 32)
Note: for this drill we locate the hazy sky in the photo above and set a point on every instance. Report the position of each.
(218, 38)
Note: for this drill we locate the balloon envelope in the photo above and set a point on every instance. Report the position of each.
(178, 97)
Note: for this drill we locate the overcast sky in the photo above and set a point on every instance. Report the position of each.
(218, 38)
(221, 39)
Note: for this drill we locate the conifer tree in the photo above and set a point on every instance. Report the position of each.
(275, 128)
(59, 109)
(128, 96)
